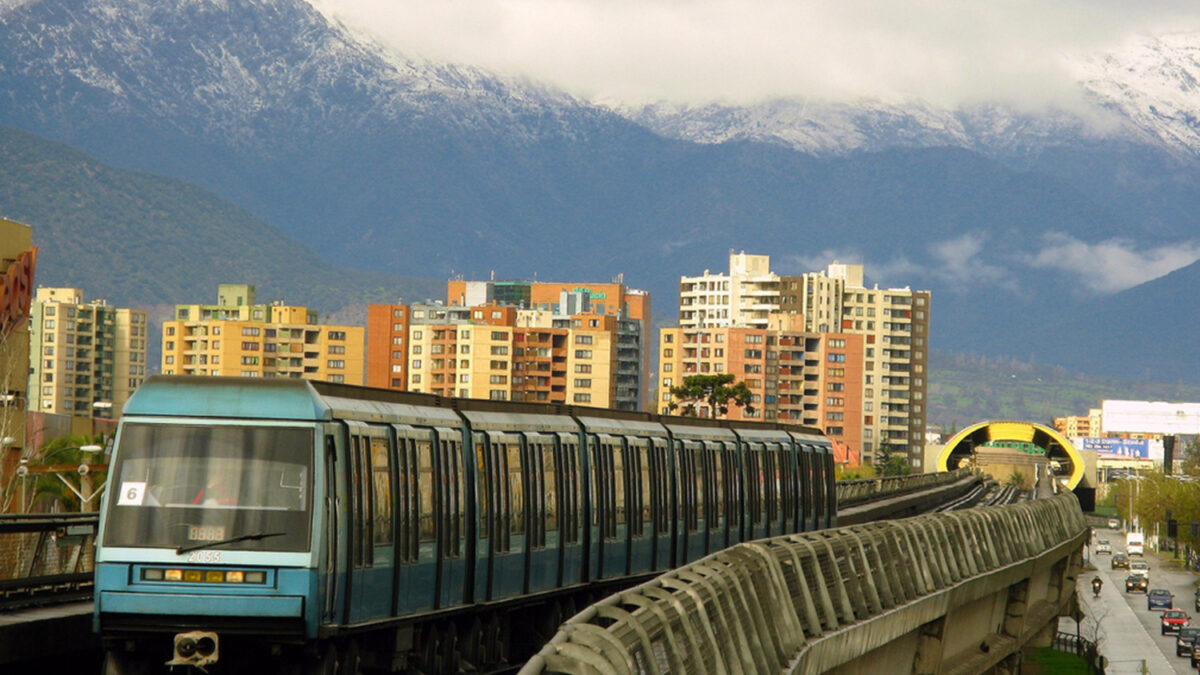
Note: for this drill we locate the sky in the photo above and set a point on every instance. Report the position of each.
(745, 51)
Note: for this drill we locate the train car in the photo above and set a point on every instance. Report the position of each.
(257, 525)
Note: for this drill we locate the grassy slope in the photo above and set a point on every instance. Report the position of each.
(965, 389)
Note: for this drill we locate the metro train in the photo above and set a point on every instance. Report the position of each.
(251, 525)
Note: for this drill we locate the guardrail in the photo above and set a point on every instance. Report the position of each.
(852, 492)
(46, 558)
(771, 605)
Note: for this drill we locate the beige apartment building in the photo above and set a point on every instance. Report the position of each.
(892, 323)
(502, 352)
(239, 337)
(86, 358)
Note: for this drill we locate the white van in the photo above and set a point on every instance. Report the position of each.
(1135, 543)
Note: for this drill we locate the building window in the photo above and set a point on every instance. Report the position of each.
(583, 382)
(668, 367)
(336, 363)
(583, 354)
(337, 349)
(250, 346)
(416, 364)
(583, 367)
(583, 339)
(837, 358)
(417, 349)
(498, 379)
(583, 398)
(499, 335)
(249, 331)
(169, 360)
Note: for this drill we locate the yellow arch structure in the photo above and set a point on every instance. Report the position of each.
(1022, 432)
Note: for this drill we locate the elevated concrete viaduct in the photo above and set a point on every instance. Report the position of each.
(960, 592)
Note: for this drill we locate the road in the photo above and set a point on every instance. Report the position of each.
(1128, 633)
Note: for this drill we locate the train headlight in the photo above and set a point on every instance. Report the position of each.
(173, 575)
(193, 576)
(214, 576)
(205, 576)
(235, 576)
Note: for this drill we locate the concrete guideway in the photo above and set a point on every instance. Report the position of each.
(951, 593)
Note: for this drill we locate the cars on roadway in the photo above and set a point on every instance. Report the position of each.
(1185, 640)
(1174, 620)
(1198, 599)
(1120, 560)
(1142, 569)
(1159, 598)
(1103, 546)
(1113, 523)
(1196, 654)
(1135, 583)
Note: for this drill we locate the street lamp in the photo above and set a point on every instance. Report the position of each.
(24, 469)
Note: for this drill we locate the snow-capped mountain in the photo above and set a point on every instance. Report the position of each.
(1145, 93)
(390, 163)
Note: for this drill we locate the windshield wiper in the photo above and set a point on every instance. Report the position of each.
(231, 540)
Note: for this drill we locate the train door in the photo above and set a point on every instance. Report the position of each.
(504, 489)
(818, 487)
(734, 494)
(786, 460)
(754, 491)
(697, 543)
(808, 519)
(542, 464)
(641, 525)
(661, 502)
(714, 476)
(334, 546)
(449, 521)
(372, 533)
(610, 488)
(416, 546)
(830, 489)
(570, 514)
(771, 489)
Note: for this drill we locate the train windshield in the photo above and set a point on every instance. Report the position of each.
(180, 486)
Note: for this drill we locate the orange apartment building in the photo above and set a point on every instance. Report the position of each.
(795, 377)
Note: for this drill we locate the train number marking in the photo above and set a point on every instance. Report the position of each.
(204, 557)
(132, 493)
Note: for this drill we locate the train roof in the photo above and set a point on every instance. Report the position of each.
(200, 396)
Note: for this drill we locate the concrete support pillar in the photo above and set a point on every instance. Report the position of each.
(930, 647)
(1016, 608)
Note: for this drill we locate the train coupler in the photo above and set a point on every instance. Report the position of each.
(198, 648)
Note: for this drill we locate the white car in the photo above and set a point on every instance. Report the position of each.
(1140, 568)
(1103, 546)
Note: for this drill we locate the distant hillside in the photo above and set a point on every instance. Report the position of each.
(965, 389)
(144, 241)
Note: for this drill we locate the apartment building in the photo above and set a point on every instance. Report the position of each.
(744, 297)
(239, 337)
(503, 352)
(1080, 426)
(86, 358)
(894, 323)
(794, 376)
(18, 262)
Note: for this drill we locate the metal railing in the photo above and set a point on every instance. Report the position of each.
(763, 606)
(46, 558)
(1081, 647)
(852, 492)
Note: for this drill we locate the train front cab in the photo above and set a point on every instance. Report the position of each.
(206, 542)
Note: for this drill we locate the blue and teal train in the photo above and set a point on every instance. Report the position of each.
(296, 526)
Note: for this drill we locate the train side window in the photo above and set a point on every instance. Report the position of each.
(516, 489)
(644, 498)
(571, 496)
(425, 526)
(786, 476)
(754, 478)
(483, 487)
(662, 488)
(718, 489)
(363, 505)
(551, 491)
(772, 485)
(381, 486)
(620, 493)
(453, 476)
(502, 497)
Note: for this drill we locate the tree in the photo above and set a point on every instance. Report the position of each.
(714, 391)
(1016, 480)
(890, 462)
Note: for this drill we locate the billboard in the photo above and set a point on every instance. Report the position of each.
(1122, 447)
(1150, 417)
